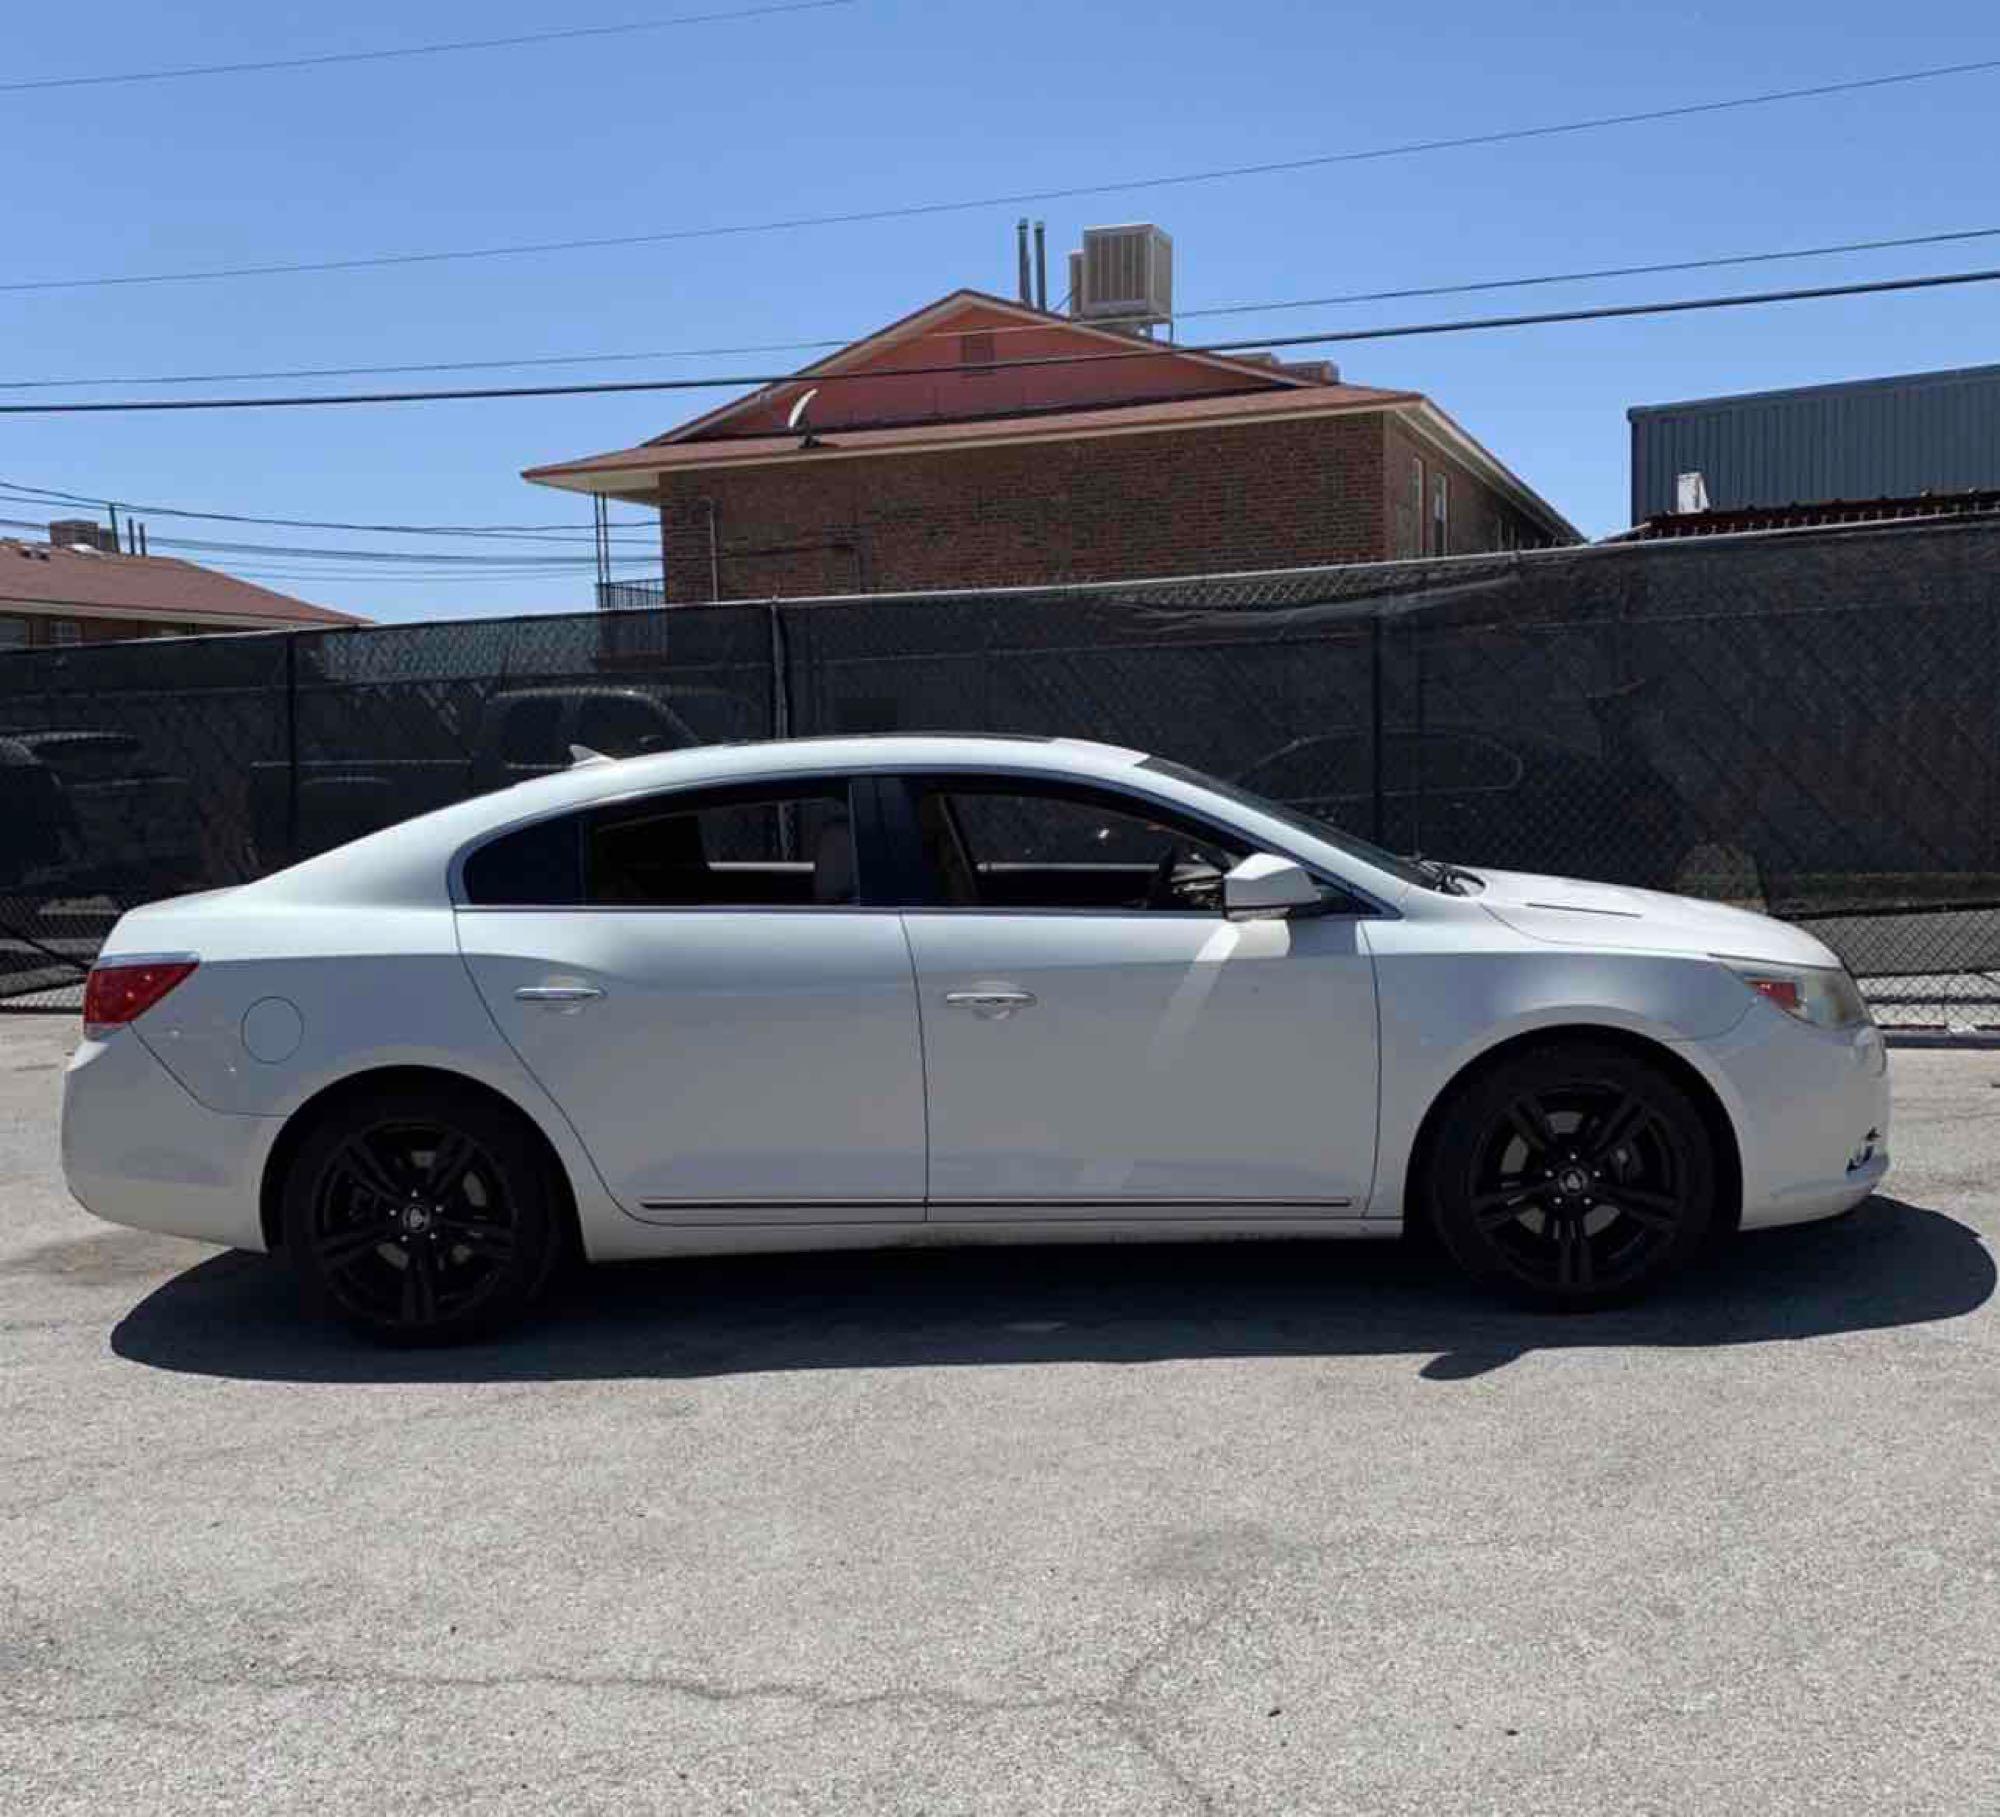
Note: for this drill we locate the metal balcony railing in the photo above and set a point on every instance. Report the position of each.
(630, 595)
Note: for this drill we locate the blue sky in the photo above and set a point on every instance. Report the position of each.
(884, 102)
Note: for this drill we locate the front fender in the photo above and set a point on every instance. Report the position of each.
(1442, 1011)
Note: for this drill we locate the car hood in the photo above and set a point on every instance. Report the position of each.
(1569, 912)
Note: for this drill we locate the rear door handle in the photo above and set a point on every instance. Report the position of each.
(574, 995)
(994, 1005)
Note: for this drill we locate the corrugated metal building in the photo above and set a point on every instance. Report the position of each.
(1869, 439)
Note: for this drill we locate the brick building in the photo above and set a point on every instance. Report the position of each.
(986, 443)
(79, 587)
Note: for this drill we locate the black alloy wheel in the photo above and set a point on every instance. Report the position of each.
(420, 1220)
(1573, 1176)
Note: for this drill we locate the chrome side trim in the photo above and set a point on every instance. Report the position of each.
(692, 1205)
(1088, 1204)
(1017, 1199)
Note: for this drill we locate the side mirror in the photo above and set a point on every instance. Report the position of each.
(1265, 884)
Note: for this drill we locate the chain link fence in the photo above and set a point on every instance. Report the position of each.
(1804, 722)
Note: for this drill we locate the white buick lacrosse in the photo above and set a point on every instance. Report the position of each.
(869, 991)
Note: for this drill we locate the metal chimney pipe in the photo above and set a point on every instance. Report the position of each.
(1041, 266)
(142, 539)
(1021, 257)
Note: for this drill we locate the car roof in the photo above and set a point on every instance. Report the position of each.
(750, 759)
(407, 862)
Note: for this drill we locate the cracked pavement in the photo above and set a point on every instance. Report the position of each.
(1298, 1529)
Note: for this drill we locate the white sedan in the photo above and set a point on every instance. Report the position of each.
(873, 991)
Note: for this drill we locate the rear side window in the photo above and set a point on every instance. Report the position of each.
(737, 848)
(538, 866)
(754, 849)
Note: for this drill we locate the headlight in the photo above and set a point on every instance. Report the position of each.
(1823, 995)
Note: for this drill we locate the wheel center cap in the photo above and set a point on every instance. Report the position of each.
(416, 1218)
(1573, 1180)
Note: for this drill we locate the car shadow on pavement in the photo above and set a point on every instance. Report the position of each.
(1886, 1264)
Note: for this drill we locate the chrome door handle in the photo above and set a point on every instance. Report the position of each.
(994, 1005)
(558, 993)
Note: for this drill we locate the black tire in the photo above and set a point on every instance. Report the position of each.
(1571, 1176)
(457, 1195)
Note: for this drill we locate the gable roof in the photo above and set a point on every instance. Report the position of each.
(967, 305)
(41, 577)
(900, 398)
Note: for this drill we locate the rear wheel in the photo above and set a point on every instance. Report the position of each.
(420, 1218)
(1572, 1176)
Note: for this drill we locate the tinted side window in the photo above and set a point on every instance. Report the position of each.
(530, 732)
(1459, 762)
(106, 759)
(1470, 763)
(538, 866)
(1316, 772)
(740, 849)
(1051, 847)
(624, 725)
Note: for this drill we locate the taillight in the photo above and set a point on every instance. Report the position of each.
(120, 990)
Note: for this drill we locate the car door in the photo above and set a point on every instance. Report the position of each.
(699, 981)
(1100, 1040)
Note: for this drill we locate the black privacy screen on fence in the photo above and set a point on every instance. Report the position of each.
(1804, 722)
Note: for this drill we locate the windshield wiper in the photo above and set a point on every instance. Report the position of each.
(1446, 879)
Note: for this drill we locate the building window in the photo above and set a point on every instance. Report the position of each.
(65, 631)
(1413, 538)
(975, 353)
(1440, 514)
(13, 633)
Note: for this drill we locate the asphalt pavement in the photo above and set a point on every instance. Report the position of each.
(1257, 1529)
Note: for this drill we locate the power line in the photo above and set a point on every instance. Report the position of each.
(391, 558)
(24, 493)
(1533, 281)
(314, 579)
(1071, 192)
(266, 64)
(348, 372)
(285, 561)
(1149, 350)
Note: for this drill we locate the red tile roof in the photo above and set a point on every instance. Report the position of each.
(45, 578)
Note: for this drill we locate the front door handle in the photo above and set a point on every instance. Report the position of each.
(994, 1005)
(573, 996)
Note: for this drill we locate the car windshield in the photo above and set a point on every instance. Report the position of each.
(1313, 827)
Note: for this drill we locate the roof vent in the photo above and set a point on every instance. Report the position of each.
(1124, 275)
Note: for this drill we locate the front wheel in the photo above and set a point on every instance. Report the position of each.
(1572, 1176)
(420, 1218)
